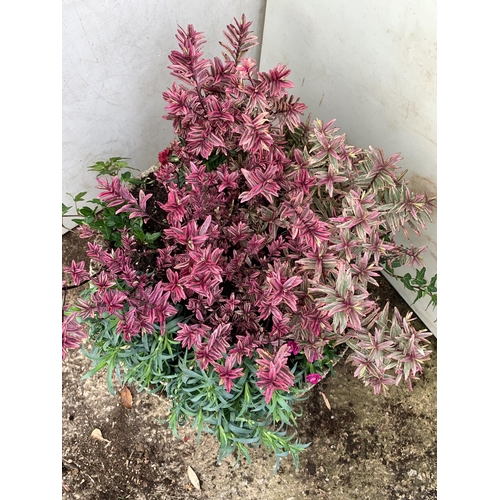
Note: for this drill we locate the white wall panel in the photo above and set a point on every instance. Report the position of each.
(372, 66)
(115, 58)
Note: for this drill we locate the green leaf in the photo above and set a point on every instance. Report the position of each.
(406, 279)
(125, 176)
(139, 233)
(106, 231)
(65, 209)
(150, 238)
(419, 279)
(110, 167)
(97, 167)
(419, 282)
(137, 182)
(80, 196)
(421, 273)
(87, 211)
(432, 285)
(109, 379)
(181, 176)
(420, 294)
(432, 301)
(244, 451)
(94, 370)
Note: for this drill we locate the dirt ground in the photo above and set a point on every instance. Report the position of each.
(366, 447)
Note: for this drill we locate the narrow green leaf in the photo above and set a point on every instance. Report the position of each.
(94, 370)
(109, 379)
(420, 294)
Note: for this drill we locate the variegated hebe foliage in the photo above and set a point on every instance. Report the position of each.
(266, 238)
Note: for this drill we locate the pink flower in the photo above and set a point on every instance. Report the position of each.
(294, 347)
(163, 156)
(313, 378)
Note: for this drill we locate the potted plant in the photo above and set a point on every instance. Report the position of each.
(234, 274)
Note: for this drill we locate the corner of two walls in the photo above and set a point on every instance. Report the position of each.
(372, 67)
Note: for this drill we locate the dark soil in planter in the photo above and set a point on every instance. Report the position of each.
(364, 447)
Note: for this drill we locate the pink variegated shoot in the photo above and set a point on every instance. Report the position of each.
(73, 333)
(255, 136)
(273, 372)
(228, 374)
(261, 183)
(78, 272)
(240, 39)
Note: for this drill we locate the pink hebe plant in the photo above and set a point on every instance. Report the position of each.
(270, 232)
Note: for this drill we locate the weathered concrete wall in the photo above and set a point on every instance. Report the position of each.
(115, 58)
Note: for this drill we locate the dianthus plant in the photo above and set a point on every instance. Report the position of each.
(230, 275)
